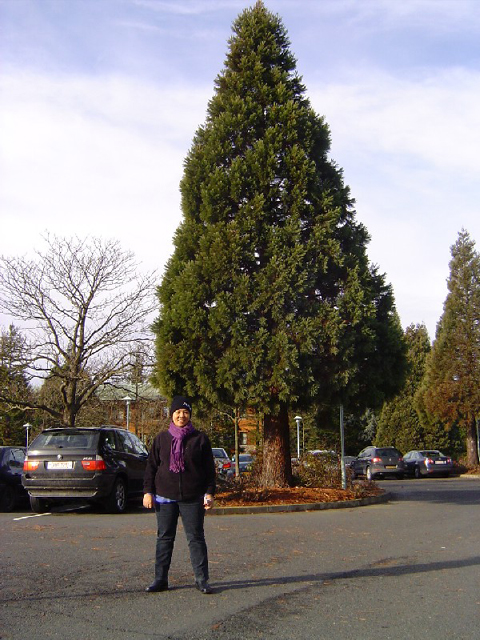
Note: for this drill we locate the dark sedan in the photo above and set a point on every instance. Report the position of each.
(245, 462)
(378, 461)
(427, 462)
(11, 469)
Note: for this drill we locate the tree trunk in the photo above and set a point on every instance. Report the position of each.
(277, 467)
(69, 416)
(472, 449)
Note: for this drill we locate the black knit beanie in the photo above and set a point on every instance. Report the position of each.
(180, 402)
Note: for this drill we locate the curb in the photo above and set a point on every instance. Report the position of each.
(309, 506)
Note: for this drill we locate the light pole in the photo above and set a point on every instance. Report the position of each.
(342, 445)
(27, 427)
(298, 419)
(128, 401)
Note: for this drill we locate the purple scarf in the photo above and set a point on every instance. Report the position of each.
(178, 434)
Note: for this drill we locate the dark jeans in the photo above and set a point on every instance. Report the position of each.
(193, 514)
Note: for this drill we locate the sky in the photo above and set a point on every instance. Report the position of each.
(100, 100)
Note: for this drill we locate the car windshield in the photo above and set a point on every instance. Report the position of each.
(64, 440)
(219, 453)
(245, 457)
(431, 454)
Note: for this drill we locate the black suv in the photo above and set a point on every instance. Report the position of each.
(101, 465)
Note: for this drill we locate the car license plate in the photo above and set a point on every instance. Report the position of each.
(63, 464)
(390, 466)
(440, 462)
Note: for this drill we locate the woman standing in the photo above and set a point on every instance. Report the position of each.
(180, 479)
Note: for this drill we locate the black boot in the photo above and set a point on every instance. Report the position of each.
(157, 585)
(204, 587)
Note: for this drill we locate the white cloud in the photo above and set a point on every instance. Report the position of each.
(104, 155)
(434, 119)
(190, 7)
(372, 15)
(101, 156)
(409, 149)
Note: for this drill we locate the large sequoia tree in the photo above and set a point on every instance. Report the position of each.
(269, 299)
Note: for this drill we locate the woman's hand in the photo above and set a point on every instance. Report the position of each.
(148, 501)
(208, 502)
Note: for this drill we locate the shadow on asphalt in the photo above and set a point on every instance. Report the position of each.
(393, 570)
(433, 490)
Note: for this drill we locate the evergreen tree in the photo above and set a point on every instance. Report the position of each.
(435, 436)
(360, 430)
(13, 381)
(269, 300)
(451, 388)
(399, 423)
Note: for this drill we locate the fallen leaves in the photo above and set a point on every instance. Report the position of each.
(291, 495)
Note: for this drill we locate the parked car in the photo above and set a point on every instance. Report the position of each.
(222, 462)
(101, 465)
(348, 460)
(12, 492)
(245, 462)
(378, 461)
(427, 462)
(324, 453)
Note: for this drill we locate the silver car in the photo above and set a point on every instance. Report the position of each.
(223, 463)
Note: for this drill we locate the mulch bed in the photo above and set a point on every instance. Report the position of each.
(292, 495)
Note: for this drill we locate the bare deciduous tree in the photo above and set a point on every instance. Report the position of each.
(84, 309)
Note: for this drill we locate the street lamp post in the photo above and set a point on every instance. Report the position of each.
(27, 427)
(298, 419)
(342, 446)
(128, 401)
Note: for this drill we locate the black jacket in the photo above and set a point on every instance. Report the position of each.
(198, 477)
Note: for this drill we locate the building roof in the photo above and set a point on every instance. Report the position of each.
(134, 391)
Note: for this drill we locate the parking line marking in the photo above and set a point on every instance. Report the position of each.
(49, 513)
(36, 515)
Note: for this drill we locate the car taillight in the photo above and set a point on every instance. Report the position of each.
(376, 460)
(96, 464)
(30, 465)
(226, 465)
(449, 461)
(429, 461)
(400, 458)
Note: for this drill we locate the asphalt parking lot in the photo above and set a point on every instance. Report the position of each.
(323, 574)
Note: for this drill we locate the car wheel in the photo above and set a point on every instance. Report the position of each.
(117, 500)
(8, 499)
(369, 474)
(39, 505)
(417, 472)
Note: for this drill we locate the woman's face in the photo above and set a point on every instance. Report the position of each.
(181, 417)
